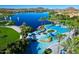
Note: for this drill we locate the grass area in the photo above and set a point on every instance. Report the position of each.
(49, 31)
(7, 36)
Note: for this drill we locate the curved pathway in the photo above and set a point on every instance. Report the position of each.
(16, 28)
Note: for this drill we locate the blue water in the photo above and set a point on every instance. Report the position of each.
(31, 19)
(58, 29)
(39, 47)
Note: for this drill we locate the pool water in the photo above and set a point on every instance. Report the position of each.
(39, 47)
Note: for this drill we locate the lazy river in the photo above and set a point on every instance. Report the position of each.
(39, 46)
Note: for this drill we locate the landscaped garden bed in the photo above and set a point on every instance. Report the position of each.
(50, 31)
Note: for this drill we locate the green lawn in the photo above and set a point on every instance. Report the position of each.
(7, 36)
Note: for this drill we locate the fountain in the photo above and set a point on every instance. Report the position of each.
(5, 18)
(10, 18)
(18, 18)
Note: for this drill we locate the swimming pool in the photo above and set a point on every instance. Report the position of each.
(39, 47)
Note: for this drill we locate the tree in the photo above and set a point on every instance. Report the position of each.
(72, 25)
(59, 37)
(71, 45)
(17, 47)
(25, 30)
(48, 51)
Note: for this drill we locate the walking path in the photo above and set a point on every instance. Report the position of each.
(54, 46)
(16, 28)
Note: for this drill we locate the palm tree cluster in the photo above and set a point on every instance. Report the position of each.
(71, 46)
(16, 48)
(25, 30)
(59, 38)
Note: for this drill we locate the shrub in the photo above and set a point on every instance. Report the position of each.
(48, 51)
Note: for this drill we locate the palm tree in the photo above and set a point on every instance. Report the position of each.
(71, 45)
(25, 30)
(59, 37)
(17, 47)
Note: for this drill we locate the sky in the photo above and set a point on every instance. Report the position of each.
(36, 6)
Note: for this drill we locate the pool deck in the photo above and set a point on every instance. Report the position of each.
(54, 46)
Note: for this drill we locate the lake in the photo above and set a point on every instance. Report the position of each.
(31, 19)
